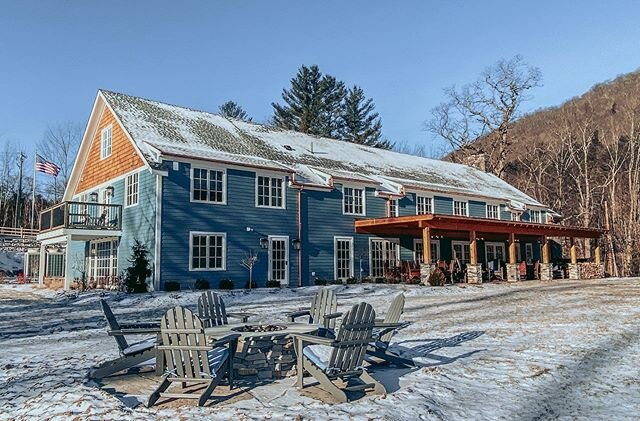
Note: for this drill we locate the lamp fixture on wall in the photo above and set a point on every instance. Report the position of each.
(94, 197)
(264, 242)
(110, 190)
(296, 244)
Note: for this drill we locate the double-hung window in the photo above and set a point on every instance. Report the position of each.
(131, 189)
(460, 208)
(343, 255)
(392, 208)
(535, 216)
(493, 211)
(208, 186)
(353, 201)
(424, 205)
(105, 142)
(270, 192)
(207, 251)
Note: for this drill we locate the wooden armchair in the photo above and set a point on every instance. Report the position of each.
(323, 311)
(212, 311)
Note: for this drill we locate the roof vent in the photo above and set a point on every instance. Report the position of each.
(289, 148)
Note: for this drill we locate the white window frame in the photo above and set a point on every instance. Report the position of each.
(393, 208)
(493, 206)
(284, 191)
(386, 241)
(467, 260)
(427, 199)
(538, 216)
(364, 200)
(335, 257)
(224, 185)
(128, 197)
(224, 251)
(515, 216)
(495, 244)
(466, 207)
(106, 147)
(92, 266)
(417, 257)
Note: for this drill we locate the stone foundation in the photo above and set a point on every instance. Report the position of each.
(546, 271)
(512, 273)
(265, 357)
(574, 271)
(425, 272)
(474, 274)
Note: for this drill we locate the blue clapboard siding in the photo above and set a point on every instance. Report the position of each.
(504, 213)
(477, 209)
(443, 205)
(407, 205)
(180, 217)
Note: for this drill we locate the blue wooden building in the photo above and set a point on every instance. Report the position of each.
(203, 192)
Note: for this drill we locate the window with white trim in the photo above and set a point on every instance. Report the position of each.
(424, 205)
(103, 260)
(418, 247)
(353, 201)
(493, 211)
(535, 216)
(208, 251)
(392, 208)
(515, 216)
(131, 189)
(460, 208)
(105, 142)
(461, 251)
(55, 265)
(383, 256)
(343, 257)
(208, 185)
(269, 192)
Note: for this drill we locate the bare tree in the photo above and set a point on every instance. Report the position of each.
(248, 262)
(486, 108)
(60, 145)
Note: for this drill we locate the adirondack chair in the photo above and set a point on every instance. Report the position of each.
(190, 358)
(342, 358)
(212, 311)
(322, 311)
(131, 355)
(385, 329)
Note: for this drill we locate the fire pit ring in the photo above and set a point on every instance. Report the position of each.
(259, 328)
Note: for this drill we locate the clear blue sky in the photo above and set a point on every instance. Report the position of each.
(54, 55)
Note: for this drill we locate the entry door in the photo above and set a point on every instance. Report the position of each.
(384, 254)
(493, 252)
(279, 259)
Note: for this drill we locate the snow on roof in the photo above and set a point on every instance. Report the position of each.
(180, 131)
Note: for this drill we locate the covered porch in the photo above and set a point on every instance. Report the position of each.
(78, 242)
(465, 234)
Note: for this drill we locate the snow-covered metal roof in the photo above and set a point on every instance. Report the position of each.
(180, 131)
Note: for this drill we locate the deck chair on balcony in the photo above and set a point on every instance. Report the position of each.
(342, 358)
(322, 312)
(212, 311)
(384, 331)
(191, 359)
(132, 354)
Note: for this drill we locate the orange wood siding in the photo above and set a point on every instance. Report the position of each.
(123, 158)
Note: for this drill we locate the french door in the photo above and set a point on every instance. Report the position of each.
(279, 259)
(383, 255)
(494, 251)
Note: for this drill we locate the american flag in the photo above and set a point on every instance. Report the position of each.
(46, 167)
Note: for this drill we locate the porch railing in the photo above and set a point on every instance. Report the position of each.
(82, 215)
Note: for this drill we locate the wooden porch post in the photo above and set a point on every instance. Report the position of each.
(545, 250)
(426, 245)
(512, 249)
(598, 256)
(573, 252)
(473, 248)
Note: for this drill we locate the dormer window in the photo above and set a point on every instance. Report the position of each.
(460, 208)
(105, 142)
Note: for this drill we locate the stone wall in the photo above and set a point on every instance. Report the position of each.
(267, 357)
(474, 274)
(512, 272)
(546, 271)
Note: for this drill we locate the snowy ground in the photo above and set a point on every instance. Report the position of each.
(497, 351)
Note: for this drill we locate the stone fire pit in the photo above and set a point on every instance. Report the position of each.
(264, 351)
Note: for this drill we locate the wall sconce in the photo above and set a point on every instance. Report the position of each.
(94, 197)
(110, 190)
(296, 244)
(264, 242)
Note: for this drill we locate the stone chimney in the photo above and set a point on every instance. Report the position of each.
(477, 160)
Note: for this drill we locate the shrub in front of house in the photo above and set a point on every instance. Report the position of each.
(337, 282)
(135, 277)
(273, 284)
(437, 277)
(226, 284)
(353, 280)
(379, 280)
(366, 280)
(201, 284)
(320, 282)
(171, 286)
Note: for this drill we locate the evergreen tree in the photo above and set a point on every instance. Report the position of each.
(312, 104)
(359, 122)
(135, 279)
(233, 110)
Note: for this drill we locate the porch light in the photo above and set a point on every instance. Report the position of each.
(264, 243)
(94, 197)
(110, 190)
(296, 244)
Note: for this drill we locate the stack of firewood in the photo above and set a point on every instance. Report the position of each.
(589, 270)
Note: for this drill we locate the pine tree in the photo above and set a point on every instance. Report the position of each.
(135, 279)
(312, 104)
(233, 110)
(359, 122)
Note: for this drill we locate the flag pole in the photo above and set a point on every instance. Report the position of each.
(33, 193)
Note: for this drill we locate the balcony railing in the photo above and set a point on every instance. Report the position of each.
(82, 215)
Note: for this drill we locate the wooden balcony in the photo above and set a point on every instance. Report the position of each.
(81, 216)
